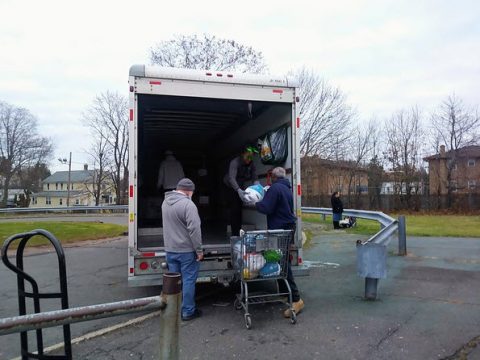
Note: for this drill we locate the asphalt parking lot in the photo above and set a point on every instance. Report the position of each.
(427, 308)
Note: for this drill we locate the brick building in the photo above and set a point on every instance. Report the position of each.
(323, 177)
(458, 170)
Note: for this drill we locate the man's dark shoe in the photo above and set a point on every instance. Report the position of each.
(197, 313)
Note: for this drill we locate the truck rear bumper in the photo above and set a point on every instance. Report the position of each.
(221, 277)
(301, 270)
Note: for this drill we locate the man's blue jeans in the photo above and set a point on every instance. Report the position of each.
(187, 265)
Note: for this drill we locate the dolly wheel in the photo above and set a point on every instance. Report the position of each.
(248, 321)
(237, 304)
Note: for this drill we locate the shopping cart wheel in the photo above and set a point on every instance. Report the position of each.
(293, 318)
(237, 304)
(248, 321)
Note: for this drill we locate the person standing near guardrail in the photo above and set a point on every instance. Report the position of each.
(183, 241)
(337, 209)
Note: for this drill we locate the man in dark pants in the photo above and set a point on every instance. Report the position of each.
(240, 171)
(278, 206)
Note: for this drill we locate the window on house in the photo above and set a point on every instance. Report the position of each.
(60, 201)
(61, 186)
(48, 200)
(471, 162)
(56, 186)
(48, 186)
(77, 201)
(472, 184)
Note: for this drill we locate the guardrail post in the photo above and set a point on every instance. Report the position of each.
(371, 286)
(170, 316)
(402, 236)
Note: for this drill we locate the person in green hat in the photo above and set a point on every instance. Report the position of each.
(241, 171)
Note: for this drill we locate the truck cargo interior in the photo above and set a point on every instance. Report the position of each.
(204, 135)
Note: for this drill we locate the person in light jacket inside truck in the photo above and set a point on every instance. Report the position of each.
(240, 171)
(183, 241)
(277, 204)
(170, 172)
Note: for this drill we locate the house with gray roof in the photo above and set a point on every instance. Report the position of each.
(55, 192)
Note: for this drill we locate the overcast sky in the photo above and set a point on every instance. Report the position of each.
(55, 56)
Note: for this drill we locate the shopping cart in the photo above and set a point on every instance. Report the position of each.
(262, 256)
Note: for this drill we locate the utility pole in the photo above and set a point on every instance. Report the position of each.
(64, 161)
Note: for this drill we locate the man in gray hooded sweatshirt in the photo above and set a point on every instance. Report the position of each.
(183, 241)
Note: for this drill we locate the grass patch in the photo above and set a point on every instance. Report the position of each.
(417, 225)
(64, 231)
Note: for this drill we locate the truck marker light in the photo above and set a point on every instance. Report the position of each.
(132, 217)
(230, 75)
(219, 74)
(277, 91)
(298, 122)
(300, 260)
(148, 254)
(131, 114)
(208, 74)
(131, 270)
(299, 190)
(132, 88)
(131, 191)
(155, 83)
(297, 99)
(143, 265)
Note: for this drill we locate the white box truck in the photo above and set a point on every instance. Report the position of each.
(205, 118)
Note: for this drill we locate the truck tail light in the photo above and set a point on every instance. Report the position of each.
(143, 265)
(299, 190)
(277, 91)
(131, 114)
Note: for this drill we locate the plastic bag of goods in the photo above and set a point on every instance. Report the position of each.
(272, 255)
(237, 261)
(254, 262)
(254, 193)
(270, 270)
(248, 275)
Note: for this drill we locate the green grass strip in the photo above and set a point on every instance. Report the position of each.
(417, 225)
(64, 231)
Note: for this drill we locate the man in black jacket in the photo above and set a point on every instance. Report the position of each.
(337, 209)
(278, 206)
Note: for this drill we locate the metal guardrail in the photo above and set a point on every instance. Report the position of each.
(169, 302)
(65, 209)
(372, 253)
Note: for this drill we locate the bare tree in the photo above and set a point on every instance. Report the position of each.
(107, 117)
(20, 144)
(99, 183)
(325, 117)
(207, 52)
(362, 145)
(455, 126)
(404, 135)
(31, 181)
